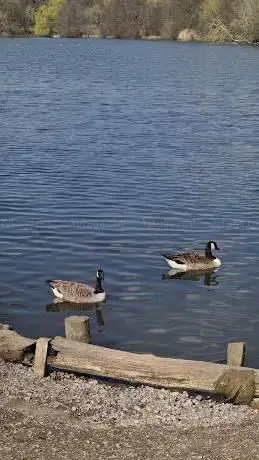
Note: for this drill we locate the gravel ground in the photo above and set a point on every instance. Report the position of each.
(65, 416)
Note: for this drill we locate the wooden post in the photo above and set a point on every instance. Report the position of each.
(236, 353)
(40, 358)
(77, 328)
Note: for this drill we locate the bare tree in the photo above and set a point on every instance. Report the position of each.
(178, 15)
(16, 16)
(245, 23)
(123, 18)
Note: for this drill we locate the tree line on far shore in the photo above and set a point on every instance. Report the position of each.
(210, 20)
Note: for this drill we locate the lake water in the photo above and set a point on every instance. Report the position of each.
(112, 152)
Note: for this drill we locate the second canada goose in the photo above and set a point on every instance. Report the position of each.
(78, 292)
(192, 261)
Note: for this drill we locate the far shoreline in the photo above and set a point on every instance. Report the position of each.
(152, 38)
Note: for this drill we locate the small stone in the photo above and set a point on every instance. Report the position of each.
(137, 408)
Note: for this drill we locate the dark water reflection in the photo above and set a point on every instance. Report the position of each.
(77, 308)
(208, 277)
(112, 152)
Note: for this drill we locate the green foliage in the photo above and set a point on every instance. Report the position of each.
(46, 17)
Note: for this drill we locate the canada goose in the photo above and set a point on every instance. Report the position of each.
(74, 291)
(192, 261)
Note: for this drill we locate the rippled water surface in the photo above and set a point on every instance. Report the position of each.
(112, 152)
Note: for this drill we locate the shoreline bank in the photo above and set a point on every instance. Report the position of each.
(77, 417)
(144, 38)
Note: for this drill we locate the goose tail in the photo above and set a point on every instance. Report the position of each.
(167, 256)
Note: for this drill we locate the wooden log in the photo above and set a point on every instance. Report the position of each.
(236, 385)
(176, 374)
(40, 359)
(13, 346)
(236, 353)
(77, 328)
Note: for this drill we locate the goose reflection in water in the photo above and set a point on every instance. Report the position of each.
(210, 277)
(77, 307)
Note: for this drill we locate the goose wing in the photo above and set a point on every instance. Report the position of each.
(72, 288)
(187, 257)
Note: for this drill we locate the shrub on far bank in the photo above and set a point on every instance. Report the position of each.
(46, 17)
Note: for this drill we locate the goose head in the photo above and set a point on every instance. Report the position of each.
(100, 274)
(211, 246)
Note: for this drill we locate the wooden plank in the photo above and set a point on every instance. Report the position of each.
(13, 346)
(177, 374)
(77, 328)
(40, 359)
(236, 353)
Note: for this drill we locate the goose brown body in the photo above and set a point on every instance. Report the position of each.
(78, 292)
(192, 261)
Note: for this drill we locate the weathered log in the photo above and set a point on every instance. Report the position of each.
(237, 384)
(13, 347)
(177, 374)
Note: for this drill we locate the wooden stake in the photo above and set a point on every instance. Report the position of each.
(236, 353)
(77, 328)
(41, 354)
